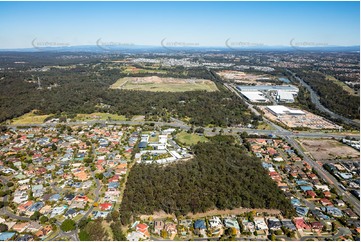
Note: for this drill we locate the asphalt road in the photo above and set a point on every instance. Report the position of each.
(279, 131)
(331, 180)
(316, 100)
(289, 136)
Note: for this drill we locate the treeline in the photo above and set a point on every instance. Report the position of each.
(332, 95)
(221, 175)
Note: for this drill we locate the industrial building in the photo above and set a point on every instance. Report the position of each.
(279, 110)
(285, 97)
(255, 97)
(281, 93)
(269, 88)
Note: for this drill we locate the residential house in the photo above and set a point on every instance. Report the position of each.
(135, 236)
(248, 226)
(20, 227)
(215, 222)
(100, 214)
(24, 207)
(316, 226)
(44, 231)
(274, 224)
(339, 203)
(260, 224)
(199, 226)
(6, 236)
(71, 213)
(143, 229)
(171, 228)
(58, 210)
(325, 202)
(105, 206)
(158, 226)
(311, 194)
(287, 223)
(231, 223)
(33, 226)
(301, 224)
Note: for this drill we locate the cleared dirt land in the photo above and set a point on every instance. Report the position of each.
(327, 149)
(160, 84)
(246, 78)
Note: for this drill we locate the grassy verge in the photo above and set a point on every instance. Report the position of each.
(100, 116)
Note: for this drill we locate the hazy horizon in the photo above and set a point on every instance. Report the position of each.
(179, 24)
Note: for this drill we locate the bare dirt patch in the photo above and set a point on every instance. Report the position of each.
(164, 84)
(327, 149)
(246, 78)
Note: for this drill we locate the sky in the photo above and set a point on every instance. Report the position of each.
(28, 24)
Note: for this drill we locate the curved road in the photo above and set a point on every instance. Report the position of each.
(316, 100)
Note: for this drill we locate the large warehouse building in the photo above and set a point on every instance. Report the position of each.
(281, 93)
(279, 110)
(255, 97)
(285, 97)
(269, 88)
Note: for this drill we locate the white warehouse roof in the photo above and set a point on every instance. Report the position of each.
(285, 96)
(255, 96)
(281, 110)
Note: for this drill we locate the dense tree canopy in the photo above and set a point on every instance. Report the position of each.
(332, 95)
(83, 89)
(68, 225)
(222, 175)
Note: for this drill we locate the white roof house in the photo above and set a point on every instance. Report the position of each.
(215, 222)
(260, 224)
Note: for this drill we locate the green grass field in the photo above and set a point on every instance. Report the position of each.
(100, 116)
(341, 84)
(190, 139)
(163, 85)
(29, 118)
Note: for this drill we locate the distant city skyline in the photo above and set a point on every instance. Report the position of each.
(179, 24)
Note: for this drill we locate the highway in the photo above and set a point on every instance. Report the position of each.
(279, 130)
(289, 136)
(316, 100)
(326, 176)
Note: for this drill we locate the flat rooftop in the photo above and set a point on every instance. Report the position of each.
(290, 88)
(281, 110)
(255, 96)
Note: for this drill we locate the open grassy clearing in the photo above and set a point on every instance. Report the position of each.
(135, 70)
(190, 139)
(328, 149)
(341, 84)
(100, 116)
(29, 118)
(264, 126)
(158, 84)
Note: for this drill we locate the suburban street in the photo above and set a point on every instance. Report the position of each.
(289, 136)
